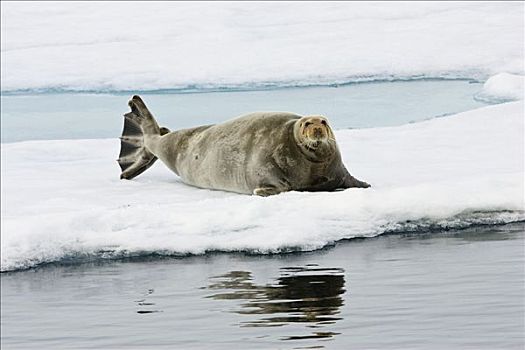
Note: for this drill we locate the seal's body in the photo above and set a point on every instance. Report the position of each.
(260, 153)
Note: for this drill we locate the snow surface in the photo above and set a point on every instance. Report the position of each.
(166, 45)
(503, 87)
(63, 199)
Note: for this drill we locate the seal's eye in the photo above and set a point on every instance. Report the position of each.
(323, 122)
(306, 124)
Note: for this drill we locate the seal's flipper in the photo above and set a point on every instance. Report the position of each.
(141, 115)
(134, 157)
(266, 191)
(351, 181)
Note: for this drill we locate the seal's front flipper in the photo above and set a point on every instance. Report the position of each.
(351, 181)
(266, 191)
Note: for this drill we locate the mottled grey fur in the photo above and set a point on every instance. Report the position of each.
(259, 153)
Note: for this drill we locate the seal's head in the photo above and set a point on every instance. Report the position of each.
(315, 137)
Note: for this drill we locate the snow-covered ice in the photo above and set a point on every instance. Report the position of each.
(64, 199)
(503, 87)
(167, 45)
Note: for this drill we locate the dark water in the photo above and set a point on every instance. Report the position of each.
(449, 290)
(73, 116)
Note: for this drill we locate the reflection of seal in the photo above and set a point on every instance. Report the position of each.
(260, 153)
(300, 295)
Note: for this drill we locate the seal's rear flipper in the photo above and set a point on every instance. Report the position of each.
(134, 157)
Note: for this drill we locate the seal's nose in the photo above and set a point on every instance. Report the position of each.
(318, 133)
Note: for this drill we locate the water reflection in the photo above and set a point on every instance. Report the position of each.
(308, 295)
(143, 302)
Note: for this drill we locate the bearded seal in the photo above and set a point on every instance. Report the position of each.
(259, 153)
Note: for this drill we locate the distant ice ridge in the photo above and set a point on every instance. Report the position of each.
(64, 200)
(503, 87)
(144, 46)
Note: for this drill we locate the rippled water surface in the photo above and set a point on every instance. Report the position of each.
(461, 290)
